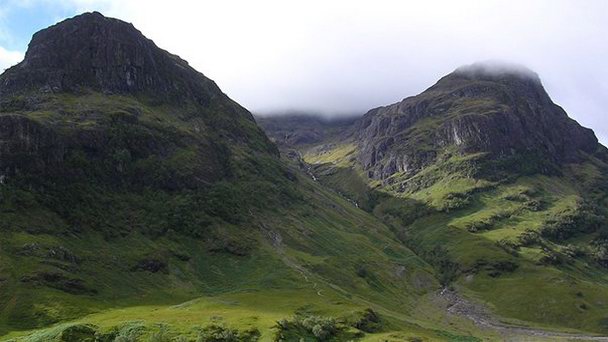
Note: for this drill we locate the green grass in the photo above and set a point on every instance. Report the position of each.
(470, 219)
(312, 266)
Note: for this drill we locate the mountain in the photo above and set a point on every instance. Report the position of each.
(91, 73)
(139, 202)
(488, 180)
(298, 129)
(482, 108)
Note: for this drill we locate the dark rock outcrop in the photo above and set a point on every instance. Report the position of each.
(501, 110)
(151, 265)
(59, 281)
(168, 126)
(108, 55)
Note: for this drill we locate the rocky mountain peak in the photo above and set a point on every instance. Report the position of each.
(499, 109)
(495, 70)
(95, 52)
(493, 79)
(56, 105)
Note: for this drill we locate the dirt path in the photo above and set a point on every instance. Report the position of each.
(457, 305)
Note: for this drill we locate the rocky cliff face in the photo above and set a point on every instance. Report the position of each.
(501, 110)
(105, 54)
(94, 97)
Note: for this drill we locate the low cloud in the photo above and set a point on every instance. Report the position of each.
(9, 58)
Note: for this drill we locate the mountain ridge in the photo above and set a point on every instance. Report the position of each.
(475, 111)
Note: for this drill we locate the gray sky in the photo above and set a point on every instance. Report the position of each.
(343, 57)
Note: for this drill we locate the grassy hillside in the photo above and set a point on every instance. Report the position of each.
(529, 247)
(318, 256)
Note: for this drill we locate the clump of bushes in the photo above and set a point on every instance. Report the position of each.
(574, 251)
(494, 268)
(301, 326)
(582, 219)
(487, 222)
(78, 333)
(369, 321)
(552, 257)
(455, 201)
(126, 332)
(447, 269)
(162, 335)
(221, 333)
(534, 205)
(600, 253)
(508, 246)
(529, 238)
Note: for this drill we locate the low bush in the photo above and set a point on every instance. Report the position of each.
(529, 238)
(508, 246)
(574, 251)
(455, 201)
(162, 335)
(583, 219)
(318, 328)
(552, 257)
(368, 321)
(600, 254)
(221, 333)
(487, 222)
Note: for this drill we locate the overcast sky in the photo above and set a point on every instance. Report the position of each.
(341, 57)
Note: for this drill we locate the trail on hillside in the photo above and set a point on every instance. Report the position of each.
(457, 305)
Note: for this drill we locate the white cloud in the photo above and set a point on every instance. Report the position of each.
(9, 58)
(351, 55)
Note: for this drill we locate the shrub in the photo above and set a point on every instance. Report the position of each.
(317, 327)
(126, 337)
(127, 332)
(162, 335)
(455, 201)
(534, 205)
(494, 268)
(361, 271)
(574, 251)
(487, 222)
(600, 254)
(369, 321)
(221, 333)
(552, 258)
(78, 333)
(582, 219)
(447, 269)
(508, 246)
(529, 238)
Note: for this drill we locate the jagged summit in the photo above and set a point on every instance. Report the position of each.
(498, 77)
(499, 109)
(86, 76)
(495, 69)
(96, 52)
